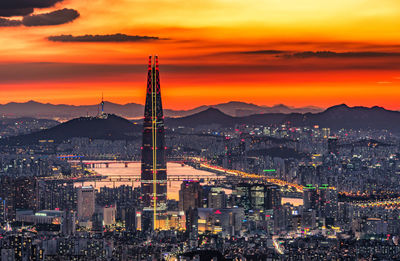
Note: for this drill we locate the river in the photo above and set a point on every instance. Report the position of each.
(175, 169)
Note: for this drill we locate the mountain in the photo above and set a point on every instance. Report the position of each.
(208, 117)
(134, 110)
(63, 111)
(111, 128)
(336, 117)
(241, 109)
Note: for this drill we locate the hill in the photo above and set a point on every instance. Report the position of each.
(208, 117)
(110, 128)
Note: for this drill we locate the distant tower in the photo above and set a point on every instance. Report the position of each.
(154, 166)
(102, 104)
(101, 114)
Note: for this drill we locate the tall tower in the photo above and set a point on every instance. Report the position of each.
(102, 104)
(154, 166)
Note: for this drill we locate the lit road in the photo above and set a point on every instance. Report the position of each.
(242, 174)
(390, 203)
(278, 247)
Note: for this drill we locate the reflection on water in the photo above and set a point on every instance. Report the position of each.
(133, 170)
(293, 201)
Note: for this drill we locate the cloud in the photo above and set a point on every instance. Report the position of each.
(65, 72)
(16, 12)
(18, 4)
(384, 82)
(102, 38)
(329, 54)
(53, 18)
(262, 52)
(8, 22)
(10, 8)
(70, 72)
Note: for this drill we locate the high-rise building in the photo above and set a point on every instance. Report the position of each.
(324, 201)
(2, 210)
(86, 203)
(190, 195)
(216, 198)
(333, 145)
(231, 220)
(56, 194)
(19, 193)
(154, 165)
(274, 197)
(206, 192)
(310, 197)
(328, 204)
(308, 219)
(69, 223)
(257, 197)
(109, 213)
(130, 218)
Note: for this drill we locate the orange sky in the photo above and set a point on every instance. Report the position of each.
(211, 51)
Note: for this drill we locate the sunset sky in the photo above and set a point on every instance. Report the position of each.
(295, 52)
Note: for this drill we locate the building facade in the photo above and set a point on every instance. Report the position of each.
(153, 162)
(86, 203)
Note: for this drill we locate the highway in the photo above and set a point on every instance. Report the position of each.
(242, 174)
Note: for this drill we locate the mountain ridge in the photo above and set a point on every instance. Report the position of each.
(36, 109)
(335, 117)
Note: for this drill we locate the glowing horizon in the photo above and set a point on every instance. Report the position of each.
(297, 53)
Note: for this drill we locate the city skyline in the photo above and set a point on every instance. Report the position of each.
(277, 186)
(276, 135)
(298, 54)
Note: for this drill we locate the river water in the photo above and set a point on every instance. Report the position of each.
(174, 169)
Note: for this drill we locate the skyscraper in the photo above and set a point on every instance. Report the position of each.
(2, 210)
(333, 145)
(86, 203)
(18, 193)
(154, 166)
(310, 197)
(216, 198)
(190, 195)
(257, 197)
